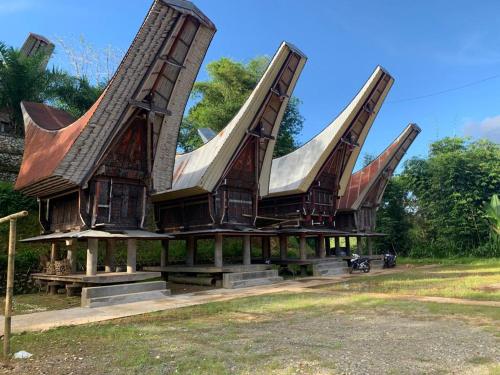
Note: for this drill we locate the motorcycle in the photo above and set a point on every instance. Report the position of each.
(359, 264)
(389, 260)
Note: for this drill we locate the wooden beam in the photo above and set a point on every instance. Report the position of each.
(71, 255)
(266, 247)
(149, 107)
(337, 246)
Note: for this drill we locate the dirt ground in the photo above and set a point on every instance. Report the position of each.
(319, 331)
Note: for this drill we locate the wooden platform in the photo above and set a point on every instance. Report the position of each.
(100, 278)
(200, 268)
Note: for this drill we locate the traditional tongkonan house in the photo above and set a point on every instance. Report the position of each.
(36, 44)
(216, 188)
(358, 207)
(94, 176)
(306, 184)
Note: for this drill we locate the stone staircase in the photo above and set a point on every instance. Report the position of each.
(331, 268)
(123, 293)
(247, 279)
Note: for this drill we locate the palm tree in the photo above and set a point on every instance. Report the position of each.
(21, 78)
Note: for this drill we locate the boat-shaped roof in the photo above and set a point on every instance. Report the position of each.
(295, 172)
(369, 183)
(156, 75)
(200, 170)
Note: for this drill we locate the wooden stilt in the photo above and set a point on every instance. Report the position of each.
(92, 248)
(266, 248)
(328, 247)
(370, 245)
(247, 250)
(302, 247)
(218, 257)
(347, 246)
(337, 246)
(322, 249)
(53, 252)
(71, 255)
(360, 249)
(131, 255)
(164, 253)
(109, 258)
(283, 247)
(190, 244)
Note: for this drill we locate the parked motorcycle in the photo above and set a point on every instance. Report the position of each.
(389, 260)
(358, 263)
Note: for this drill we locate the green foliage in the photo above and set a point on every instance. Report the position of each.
(12, 201)
(392, 218)
(219, 99)
(74, 95)
(20, 79)
(445, 200)
(492, 213)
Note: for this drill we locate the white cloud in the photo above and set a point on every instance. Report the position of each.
(16, 6)
(488, 128)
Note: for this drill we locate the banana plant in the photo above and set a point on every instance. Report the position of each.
(492, 210)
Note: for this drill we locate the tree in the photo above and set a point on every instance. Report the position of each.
(450, 188)
(393, 218)
(20, 79)
(74, 95)
(219, 99)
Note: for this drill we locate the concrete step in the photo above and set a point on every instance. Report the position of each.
(123, 293)
(255, 282)
(235, 276)
(246, 279)
(330, 269)
(127, 298)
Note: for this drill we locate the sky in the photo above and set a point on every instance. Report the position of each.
(444, 55)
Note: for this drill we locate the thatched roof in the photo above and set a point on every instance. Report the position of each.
(295, 172)
(367, 186)
(156, 74)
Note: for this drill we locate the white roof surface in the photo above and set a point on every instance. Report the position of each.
(294, 173)
(200, 170)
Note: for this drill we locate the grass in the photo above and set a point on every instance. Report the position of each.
(281, 333)
(31, 303)
(476, 281)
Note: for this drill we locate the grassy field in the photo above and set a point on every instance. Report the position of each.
(476, 281)
(341, 329)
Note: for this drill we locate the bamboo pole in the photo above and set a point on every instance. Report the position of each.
(10, 279)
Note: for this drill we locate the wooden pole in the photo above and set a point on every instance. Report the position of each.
(302, 247)
(321, 244)
(10, 288)
(347, 246)
(71, 254)
(337, 246)
(190, 245)
(10, 278)
(283, 247)
(109, 257)
(92, 248)
(247, 250)
(266, 248)
(164, 253)
(131, 255)
(218, 257)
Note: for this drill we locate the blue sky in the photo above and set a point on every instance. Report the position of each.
(428, 46)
